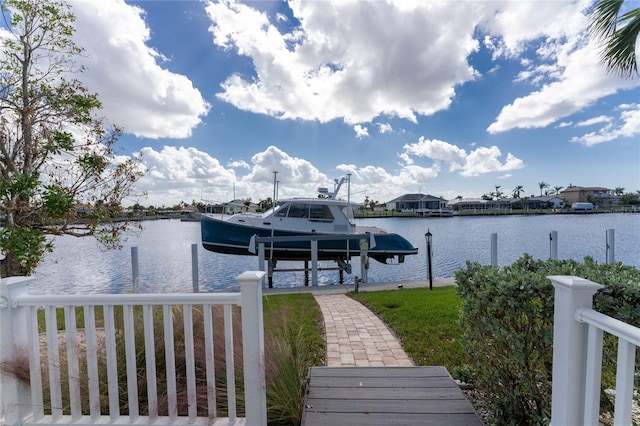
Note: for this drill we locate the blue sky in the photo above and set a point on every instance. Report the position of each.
(444, 98)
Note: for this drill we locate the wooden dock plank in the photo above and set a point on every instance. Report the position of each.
(385, 396)
(429, 371)
(388, 382)
(362, 419)
(382, 392)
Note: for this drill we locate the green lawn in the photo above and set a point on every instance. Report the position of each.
(425, 322)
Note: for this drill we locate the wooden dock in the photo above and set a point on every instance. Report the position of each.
(386, 396)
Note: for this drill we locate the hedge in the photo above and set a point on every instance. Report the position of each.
(507, 322)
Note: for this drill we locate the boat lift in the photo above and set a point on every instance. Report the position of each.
(367, 241)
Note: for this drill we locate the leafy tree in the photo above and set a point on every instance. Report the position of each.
(630, 198)
(618, 35)
(55, 152)
(265, 204)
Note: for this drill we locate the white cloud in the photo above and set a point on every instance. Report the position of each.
(479, 161)
(438, 150)
(136, 91)
(627, 126)
(384, 128)
(354, 60)
(177, 174)
(241, 164)
(594, 120)
(484, 160)
(361, 132)
(291, 170)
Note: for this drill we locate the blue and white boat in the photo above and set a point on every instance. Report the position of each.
(302, 217)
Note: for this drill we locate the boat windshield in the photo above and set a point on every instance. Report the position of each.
(348, 213)
(281, 210)
(314, 212)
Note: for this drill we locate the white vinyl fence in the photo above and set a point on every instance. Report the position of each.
(577, 356)
(83, 364)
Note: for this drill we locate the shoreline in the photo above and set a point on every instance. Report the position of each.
(348, 288)
(466, 213)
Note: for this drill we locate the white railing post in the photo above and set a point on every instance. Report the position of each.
(195, 276)
(569, 349)
(15, 401)
(494, 249)
(253, 347)
(611, 246)
(314, 262)
(553, 245)
(135, 270)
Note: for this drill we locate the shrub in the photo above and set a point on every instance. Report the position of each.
(507, 321)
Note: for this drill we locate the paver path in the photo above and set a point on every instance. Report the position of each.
(356, 337)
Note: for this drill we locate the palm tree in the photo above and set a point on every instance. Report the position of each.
(617, 35)
(517, 191)
(542, 186)
(498, 193)
(558, 189)
(619, 191)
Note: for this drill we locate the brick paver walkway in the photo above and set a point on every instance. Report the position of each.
(356, 337)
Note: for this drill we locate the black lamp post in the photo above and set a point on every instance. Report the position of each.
(428, 237)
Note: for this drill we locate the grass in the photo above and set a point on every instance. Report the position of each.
(293, 342)
(426, 322)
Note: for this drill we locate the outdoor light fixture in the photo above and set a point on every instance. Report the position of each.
(428, 236)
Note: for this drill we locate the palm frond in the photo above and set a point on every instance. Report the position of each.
(618, 36)
(604, 18)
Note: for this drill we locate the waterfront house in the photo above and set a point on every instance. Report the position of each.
(602, 197)
(547, 202)
(478, 204)
(232, 207)
(417, 202)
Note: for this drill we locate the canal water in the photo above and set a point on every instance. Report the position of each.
(80, 266)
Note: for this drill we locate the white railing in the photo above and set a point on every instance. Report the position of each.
(82, 364)
(577, 356)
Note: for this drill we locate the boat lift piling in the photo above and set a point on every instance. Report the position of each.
(553, 245)
(257, 244)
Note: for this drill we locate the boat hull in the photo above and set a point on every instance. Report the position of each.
(232, 238)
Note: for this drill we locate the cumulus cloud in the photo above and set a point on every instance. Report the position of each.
(290, 170)
(176, 174)
(627, 126)
(479, 161)
(384, 128)
(241, 164)
(361, 132)
(350, 60)
(137, 93)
